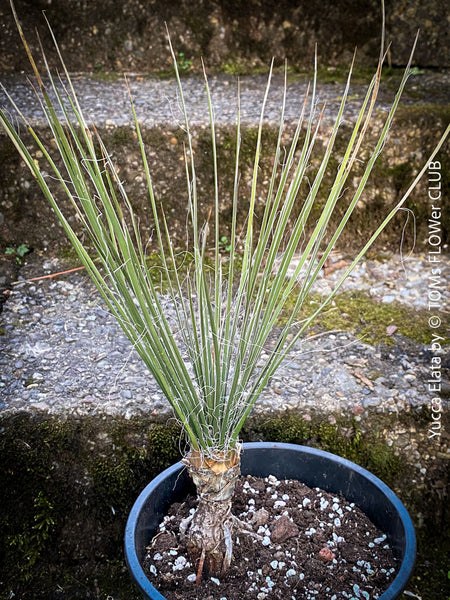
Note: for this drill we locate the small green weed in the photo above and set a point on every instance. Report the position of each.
(183, 63)
(31, 543)
(225, 244)
(18, 252)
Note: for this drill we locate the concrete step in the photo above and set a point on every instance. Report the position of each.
(419, 122)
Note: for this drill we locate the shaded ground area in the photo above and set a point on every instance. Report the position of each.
(68, 485)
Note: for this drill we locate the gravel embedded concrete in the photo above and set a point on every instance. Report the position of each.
(63, 353)
(157, 100)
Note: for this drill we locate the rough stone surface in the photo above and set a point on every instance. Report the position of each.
(114, 35)
(283, 529)
(418, 125)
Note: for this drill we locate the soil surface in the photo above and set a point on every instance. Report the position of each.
(309, 544)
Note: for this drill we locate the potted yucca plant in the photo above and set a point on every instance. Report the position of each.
(205, 353)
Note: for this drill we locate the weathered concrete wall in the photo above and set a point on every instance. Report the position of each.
(26, 216)
(118, 35)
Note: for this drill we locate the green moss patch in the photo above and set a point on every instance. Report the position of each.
(360, 314)
(67, 487)
(345, 438)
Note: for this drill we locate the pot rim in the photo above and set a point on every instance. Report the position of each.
(396, 586)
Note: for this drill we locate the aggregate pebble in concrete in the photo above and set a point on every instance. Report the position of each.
(63, 353)
(157, 101)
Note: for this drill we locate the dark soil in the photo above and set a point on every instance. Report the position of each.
(312, 545)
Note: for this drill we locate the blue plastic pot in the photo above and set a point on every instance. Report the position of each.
(313, 467)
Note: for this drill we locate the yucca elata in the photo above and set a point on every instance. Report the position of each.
(206, 352)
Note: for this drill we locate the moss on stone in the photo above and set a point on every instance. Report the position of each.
(427, 113)
(122, 136)
(359, 313)
(68, 484)
(67, 488)
(344, 437)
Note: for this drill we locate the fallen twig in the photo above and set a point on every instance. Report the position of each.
(364, 379)
(50, 276)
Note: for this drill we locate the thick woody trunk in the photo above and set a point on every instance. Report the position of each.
(209, 532)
